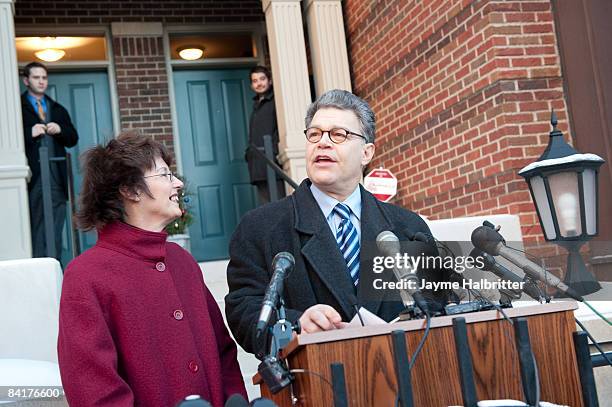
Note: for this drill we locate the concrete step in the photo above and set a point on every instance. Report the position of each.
(214, 273)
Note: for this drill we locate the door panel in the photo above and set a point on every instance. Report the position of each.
(201, 119)
(234, 118)
(213, 115)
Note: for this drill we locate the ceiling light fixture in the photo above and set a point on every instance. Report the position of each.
(191, 52)
(50, 54)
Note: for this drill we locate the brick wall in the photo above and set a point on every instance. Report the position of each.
(463, 92)
(142, 86)
(107, 11)
(140, 68)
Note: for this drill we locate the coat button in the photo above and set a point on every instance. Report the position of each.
(193, 366)
(160, 266)
(178, 314)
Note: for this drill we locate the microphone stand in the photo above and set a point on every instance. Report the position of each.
(282, 330)
(272, 369)
(45, 159)
(47, 199)
(531, 282)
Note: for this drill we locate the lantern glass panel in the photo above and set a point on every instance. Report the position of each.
(589, 184)
(566, 200)
(541, 201)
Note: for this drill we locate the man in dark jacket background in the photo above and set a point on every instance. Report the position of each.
(45, 122)
(262, 122)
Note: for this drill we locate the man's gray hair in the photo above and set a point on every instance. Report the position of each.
(341, 99)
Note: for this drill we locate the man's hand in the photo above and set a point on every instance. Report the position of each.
(53, 128)
(38, 130)
(321, 317)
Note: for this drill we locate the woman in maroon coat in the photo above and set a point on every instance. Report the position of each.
(137, 324)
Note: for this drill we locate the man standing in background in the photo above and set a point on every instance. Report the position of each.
(262, 122)
(45, 121)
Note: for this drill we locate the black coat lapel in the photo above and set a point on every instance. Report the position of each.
(26, 105)
(373, 221)
(320, 250)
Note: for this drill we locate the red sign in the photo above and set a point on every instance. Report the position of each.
(381, 183)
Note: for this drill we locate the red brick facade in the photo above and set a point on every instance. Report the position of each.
(142, 86)
(108, 11)
(463, 92)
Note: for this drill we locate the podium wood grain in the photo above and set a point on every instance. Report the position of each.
(366, 353)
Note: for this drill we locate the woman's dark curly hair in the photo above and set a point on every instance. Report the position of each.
(108, 170)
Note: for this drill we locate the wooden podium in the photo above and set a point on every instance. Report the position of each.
(366, 353)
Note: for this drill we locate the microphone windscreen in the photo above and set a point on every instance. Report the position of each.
(262, 402)
(425, 238)
(487, 240)
(194, 401)
(284, 258)
(236, 400)
(388, 243)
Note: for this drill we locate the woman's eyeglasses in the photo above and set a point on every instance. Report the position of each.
(167, 174)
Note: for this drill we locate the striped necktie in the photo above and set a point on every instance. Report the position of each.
(41, 112)
(348, 241)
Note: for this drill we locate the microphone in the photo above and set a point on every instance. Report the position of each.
(194, 400)
(491, 265)
(490, 241)
(425, 238)
(282, 263)
(236, 400)
(389, 245)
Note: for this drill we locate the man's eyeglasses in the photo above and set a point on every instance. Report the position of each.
(337, 135)
(167, 174)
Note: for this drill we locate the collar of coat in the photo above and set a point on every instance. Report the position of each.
(269, 95)
(319, 250)
(25, 103)
(134, 242)
(373, 217)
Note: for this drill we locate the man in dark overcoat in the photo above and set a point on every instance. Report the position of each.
(261, 123)
(45, 122)
(329, 224)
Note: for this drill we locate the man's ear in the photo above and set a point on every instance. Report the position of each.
(129, 195)
(367, 153)
(26, 82)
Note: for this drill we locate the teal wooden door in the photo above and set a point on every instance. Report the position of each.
(213, 108)
(86, 96)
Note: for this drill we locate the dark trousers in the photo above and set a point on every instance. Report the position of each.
(37, 220)
(263, 194)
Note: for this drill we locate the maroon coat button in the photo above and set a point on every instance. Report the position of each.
(178, 314)
(160, 266)
(193, 366)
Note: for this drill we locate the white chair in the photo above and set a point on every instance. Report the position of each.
(29, 312)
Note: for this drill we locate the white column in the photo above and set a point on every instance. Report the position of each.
(14, 217)
(290, 78)
(327, 45)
